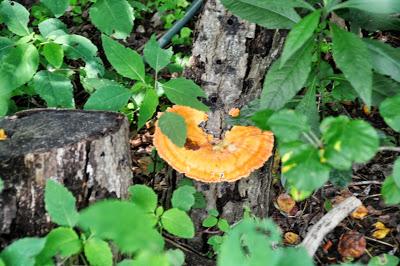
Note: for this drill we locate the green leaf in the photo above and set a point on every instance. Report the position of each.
(52, 27)
(17, 67)
(295, 256)
(61, 241)
(396, 172)
(2, 262)
(385, 58)
(223, 225)
(370, 21)
(308, 107)
(110, 98)
(302, 167)
(1, 185)
(148, 107)
(5, 46)
(210, 221)
(199, 201)
(384, 260)
(266, 13)
(23, 251)
(374, 6)
(57, 7)
(251, 242)
(185, 92)
(55, 88)
(178, 223)
(183, 198)
(113, 17)
(348, 141)
(60, 204)
(283, 83)
(124, 223)
(383, 87)
(390, 111)
(174, 127)
(148, 258)
(126, 62)
(98, 252)
(288, 125)
(352, 57)
(15, 16)
(299, 35)
(4, 102)
(54, 54)
(340, 178)
(144, 197)
(155, 56)
(176, 257)
(390, 191)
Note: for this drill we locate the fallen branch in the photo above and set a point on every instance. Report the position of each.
(327, 223)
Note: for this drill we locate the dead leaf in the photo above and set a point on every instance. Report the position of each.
(3, 135)
(285, 203)
(352, 244)
(360, 213)
(291, 238)
(327, 246)
(381, 231)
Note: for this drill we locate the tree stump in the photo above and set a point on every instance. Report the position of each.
(229, 60)
(86, 151)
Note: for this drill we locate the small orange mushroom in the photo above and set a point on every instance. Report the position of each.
(203, 158)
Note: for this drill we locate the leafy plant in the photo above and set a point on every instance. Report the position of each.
(312, 150)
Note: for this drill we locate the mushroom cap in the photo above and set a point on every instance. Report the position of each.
(203, 158)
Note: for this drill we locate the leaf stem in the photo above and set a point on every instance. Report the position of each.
(386, 148)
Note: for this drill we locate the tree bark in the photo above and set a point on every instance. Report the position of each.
(229, 60)
(86, 151)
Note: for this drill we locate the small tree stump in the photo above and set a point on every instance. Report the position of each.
(86, 151)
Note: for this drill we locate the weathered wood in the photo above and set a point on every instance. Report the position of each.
(86, 151)
(229, 60)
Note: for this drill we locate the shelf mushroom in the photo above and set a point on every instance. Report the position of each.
(204, 158)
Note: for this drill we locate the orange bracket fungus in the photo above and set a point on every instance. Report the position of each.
(204, 158)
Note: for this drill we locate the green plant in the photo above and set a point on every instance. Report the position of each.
(288, 105)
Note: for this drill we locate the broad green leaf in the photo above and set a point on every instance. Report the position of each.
(110, 98)
(384, 260)
(308, 107)
(353, 58)
(210, 221)
(148, 107)
(60, 204)
(174, 127)
(223, 225)
(61, 241)
(5, 46)
(15, 16)
(383, 87)
(98, 252)
(176, 257)
(260, 118)
(348, 141)
(55, 88)
(199, 201)
(124, 223)
(125, 61)
(17, 67)
(185, 92)
(126, 262)
(385, 58)
(147, 258)
(57, 7)
(396, 172)
(113, 17)
(4, 102)
(302, 167)
(23, 251)
(266, 13)
(390, 111)
(183, 198)
(295, 256)
(288, 125)
(390, 191)
(283, 83)
(1, 185)
(251, 242)
(50, 26)
(340, 178)
(144, 197)
(2, 262)
(299, 35)
(54, 54)
(370, 21)
(155, 56)
(374, 6)
(178, 223)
